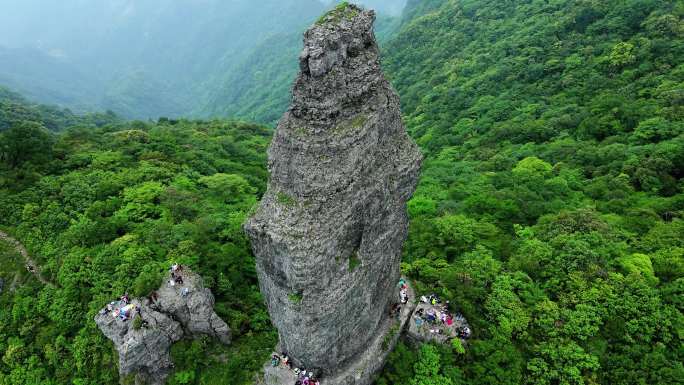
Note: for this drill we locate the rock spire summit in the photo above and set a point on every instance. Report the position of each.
(329, 231)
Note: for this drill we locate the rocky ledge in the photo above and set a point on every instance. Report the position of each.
(329, 232)
(364, 367)
(143, 329)
(434, 323)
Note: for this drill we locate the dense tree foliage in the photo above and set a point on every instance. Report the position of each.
(550, 208)
(104, 211)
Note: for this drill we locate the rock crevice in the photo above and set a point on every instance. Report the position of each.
(329, 231)
(168, 315)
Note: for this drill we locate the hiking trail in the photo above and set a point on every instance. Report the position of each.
(19, 248)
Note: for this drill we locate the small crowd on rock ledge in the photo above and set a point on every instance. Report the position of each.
(436, 317)
(304, 377)
(124, 310)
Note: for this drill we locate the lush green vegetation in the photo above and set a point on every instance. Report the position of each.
(342, 11)
(105, 210)
(15, 110)
(157, 57)
(549, 212)
(12, 271)
(550, 206)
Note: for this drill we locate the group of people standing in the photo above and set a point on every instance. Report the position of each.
(122, 309)
(395, 310)
(304, 377)
(403, 291)
(177, 278)
(439, 314)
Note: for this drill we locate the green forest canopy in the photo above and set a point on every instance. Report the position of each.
(550, 204)
(106, 210)
(549, 210)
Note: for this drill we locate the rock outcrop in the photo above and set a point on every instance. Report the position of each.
(170, 314)
(329, 231)
(194, 311)
(422, 330)
(364, 367)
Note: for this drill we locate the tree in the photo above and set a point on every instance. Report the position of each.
(427, 368)
(228, 187)
(149, 279)
(25, 142)
(639, 264)
(561, 362)
(621, 55)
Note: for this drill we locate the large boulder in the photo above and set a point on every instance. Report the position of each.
(144, 337)
(329, 231)
(144, 350)
(194, 310)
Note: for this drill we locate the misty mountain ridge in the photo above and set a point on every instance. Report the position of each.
(158, 57)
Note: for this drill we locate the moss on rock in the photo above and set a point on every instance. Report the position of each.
(343, 11)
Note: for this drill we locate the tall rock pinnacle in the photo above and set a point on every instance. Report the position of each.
(329, 231)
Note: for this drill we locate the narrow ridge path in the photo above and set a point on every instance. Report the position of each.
(30, 263)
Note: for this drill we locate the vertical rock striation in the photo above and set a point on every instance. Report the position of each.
(329, 231)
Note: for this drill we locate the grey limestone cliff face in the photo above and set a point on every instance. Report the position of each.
(329, 231)
(170, 316)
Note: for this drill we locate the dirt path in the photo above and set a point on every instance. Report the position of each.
(31, 265)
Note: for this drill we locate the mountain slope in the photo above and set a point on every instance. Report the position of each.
(40, 76)
(258, 88)
(139, 59)
(15, 110)
(160, 57)
(551, 208)
(447, 62)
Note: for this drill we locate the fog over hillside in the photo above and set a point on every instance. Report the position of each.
(145, 59)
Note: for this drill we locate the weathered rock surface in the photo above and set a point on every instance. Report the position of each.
(365, 367)
(194, 311)
(362, 369)
(144, 351)
(329, 231)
